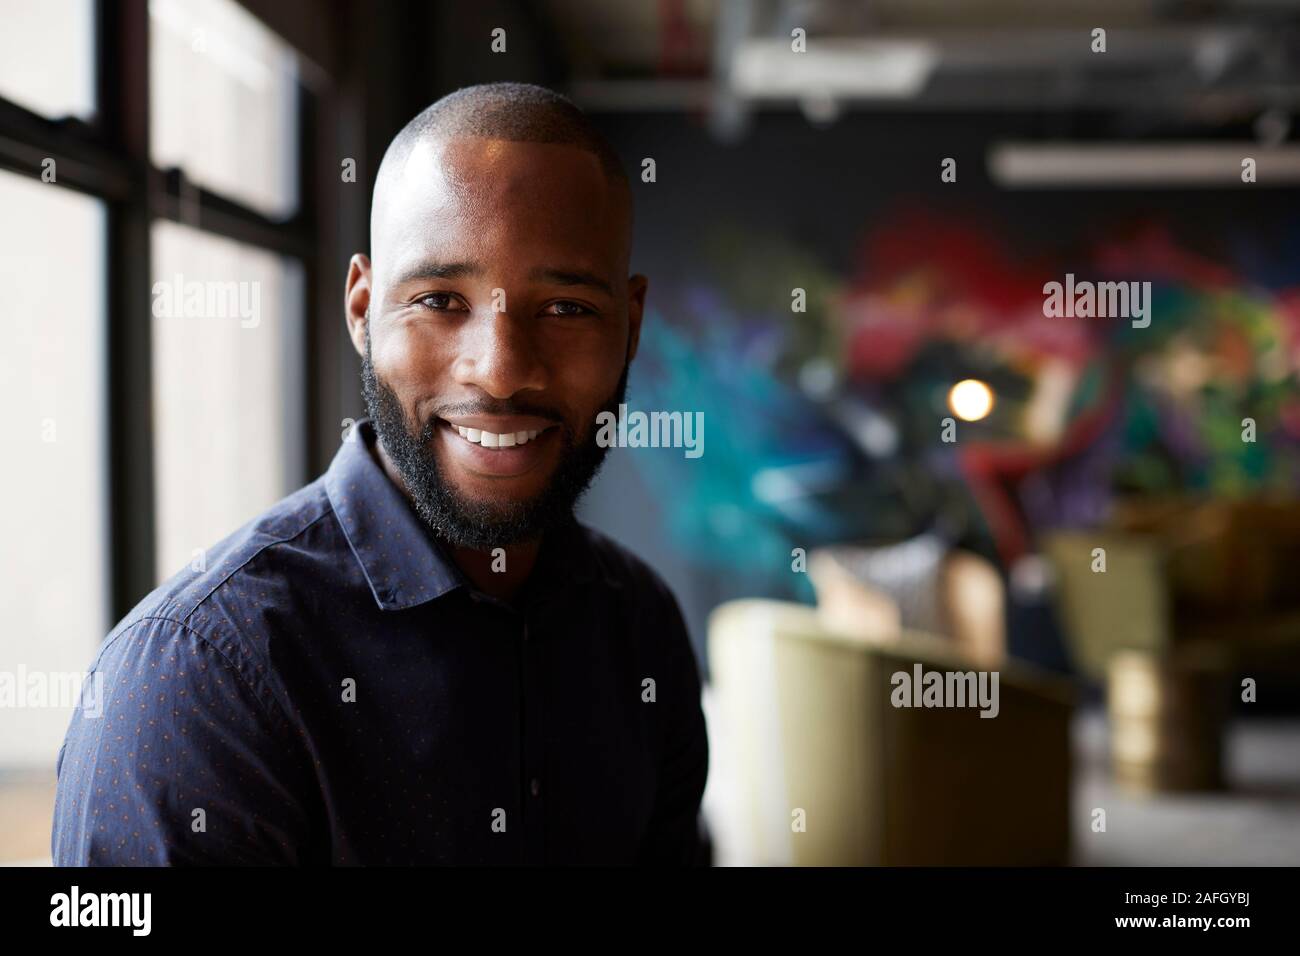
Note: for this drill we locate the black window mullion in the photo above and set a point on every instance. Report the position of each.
(307, 450)
(123, 101)
(177, 199)
(82, 161)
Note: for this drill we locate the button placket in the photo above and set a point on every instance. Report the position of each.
(534, 743)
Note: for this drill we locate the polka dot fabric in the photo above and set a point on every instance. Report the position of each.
(331, 690)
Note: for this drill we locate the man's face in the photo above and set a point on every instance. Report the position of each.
(501, 322)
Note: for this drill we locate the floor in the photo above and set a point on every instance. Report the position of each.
(1256, 822)
(26, 811)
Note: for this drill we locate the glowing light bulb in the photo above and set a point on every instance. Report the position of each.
(970, 400)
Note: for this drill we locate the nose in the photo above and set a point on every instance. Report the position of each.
(498, 354)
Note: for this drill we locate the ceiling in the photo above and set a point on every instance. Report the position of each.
(1208, 61)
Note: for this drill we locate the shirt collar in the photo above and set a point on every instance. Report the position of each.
(402, 561)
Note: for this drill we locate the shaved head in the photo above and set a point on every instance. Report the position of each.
(519, 112)
(514, 112)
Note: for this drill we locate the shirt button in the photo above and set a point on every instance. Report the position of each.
(536, 786)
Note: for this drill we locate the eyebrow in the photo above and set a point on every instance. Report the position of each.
(469, 270)
(571, 277)
(438, 270)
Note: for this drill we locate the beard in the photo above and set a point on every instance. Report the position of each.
(482, 525)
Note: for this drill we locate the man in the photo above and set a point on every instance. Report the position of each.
(422, 657)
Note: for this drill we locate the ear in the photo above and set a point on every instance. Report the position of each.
(356, 301)
(636, 290)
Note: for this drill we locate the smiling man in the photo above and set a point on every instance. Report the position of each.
(422, 657)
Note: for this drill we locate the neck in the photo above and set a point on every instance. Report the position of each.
(500, 575)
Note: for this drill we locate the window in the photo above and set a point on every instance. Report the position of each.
(47, 56)
(224, 105)
(226, 329)
(225, 382)
(53, 580)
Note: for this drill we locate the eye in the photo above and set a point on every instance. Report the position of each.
(439, 302)
(567, 307)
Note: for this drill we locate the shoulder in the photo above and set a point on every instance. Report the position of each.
(648, 603)
(215, 607)
(216, 571)
(625, 570)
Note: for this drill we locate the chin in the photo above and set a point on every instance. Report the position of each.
(496, 494)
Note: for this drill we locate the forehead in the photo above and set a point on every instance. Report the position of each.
(475, 198)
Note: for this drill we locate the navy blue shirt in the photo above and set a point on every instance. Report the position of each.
(329, 689)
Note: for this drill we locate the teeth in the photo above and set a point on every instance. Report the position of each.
(492, 440)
